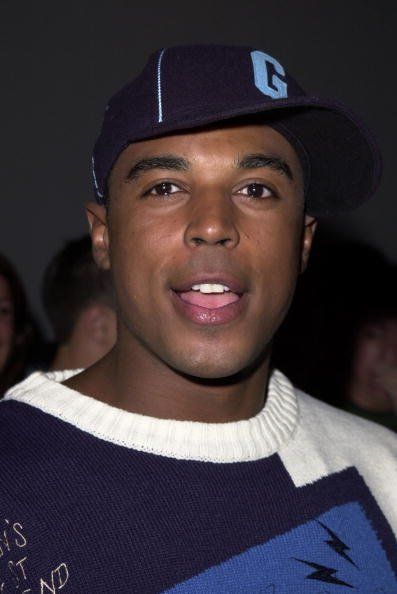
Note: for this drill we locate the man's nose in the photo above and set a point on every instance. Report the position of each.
(212, 221)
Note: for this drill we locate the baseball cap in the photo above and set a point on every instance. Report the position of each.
(188, 87)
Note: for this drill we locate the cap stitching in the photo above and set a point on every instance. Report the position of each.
(95, 179)
(159, 96)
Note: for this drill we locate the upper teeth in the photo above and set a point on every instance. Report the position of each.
(210, 288)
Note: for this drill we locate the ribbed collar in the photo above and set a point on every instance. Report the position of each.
(239, 441)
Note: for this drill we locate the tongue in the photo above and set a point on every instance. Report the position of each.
(208, 300)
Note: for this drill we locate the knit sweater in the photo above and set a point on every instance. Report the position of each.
(301, 498)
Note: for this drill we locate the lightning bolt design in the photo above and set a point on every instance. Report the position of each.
(323, 574)
(337, 544)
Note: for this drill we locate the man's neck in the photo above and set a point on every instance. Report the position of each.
(149, 387)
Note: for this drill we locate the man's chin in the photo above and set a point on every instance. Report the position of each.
(219, 370)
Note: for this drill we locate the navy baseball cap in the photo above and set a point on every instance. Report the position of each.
(187, 87)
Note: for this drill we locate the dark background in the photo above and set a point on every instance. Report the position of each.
(61, 61)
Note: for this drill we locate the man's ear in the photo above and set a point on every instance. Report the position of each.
(309, 228)
(97, 220)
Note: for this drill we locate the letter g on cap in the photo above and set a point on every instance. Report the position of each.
(261, 62)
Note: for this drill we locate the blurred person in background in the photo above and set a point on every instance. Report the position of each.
(339, 340)
(19, 334)
(371, 390)
(78, 300)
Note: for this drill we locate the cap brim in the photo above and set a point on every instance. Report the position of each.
(345, 161)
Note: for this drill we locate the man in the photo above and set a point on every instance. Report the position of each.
(179, 462)
(78, 300)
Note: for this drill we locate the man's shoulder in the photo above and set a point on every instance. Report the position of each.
(29, 435)
(341, 426)
(25, 431)
(18, 406)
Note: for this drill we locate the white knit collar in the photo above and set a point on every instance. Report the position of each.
(237, 441)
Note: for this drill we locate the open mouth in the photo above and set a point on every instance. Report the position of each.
(209, 295)
(210, 302)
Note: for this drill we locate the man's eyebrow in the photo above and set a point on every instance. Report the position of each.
(261, 160)
(158, 162)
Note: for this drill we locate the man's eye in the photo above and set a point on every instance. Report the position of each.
(163, 189)
(256, 190)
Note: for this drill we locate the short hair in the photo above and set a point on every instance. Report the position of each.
(72, 281)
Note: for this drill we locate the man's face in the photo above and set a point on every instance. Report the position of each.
(205, 238)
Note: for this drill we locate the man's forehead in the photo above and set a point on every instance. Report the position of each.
(222, 141)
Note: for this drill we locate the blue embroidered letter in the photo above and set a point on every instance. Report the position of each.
(261, 63)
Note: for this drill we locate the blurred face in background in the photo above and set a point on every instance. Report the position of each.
(375, 365)
(6, 321)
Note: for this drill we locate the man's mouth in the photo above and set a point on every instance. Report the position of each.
(209, 295)
(210, 302)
